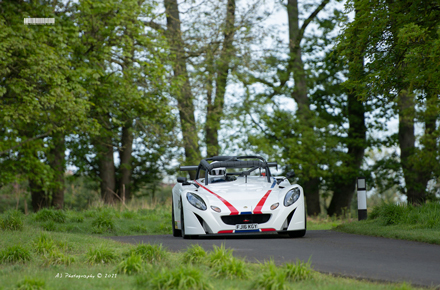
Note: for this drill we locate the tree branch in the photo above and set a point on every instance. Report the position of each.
(154, 25)
(27, 141)
(310, 19)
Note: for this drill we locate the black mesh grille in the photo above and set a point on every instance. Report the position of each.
(246, 219)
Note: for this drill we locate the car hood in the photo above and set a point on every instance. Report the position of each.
(242, 196)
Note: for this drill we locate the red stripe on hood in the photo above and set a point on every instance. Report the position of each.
(233, 210)
(260, 204)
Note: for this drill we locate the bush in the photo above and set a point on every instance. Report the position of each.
(425, 216)
(51, 214)
(130, 215)
(194, 255)
(130, 265)
(181, 278)
(102, 255)
(13, 221)
(150, 253)
(49, 226)
(15, 253)
(139, 229)
(31, 284)
(103, 222)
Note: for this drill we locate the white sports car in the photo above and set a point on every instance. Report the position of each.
(237, 195)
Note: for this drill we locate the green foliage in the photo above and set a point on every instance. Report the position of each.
(12, 220)
(130, 265)
(14, 254)
(43, 244)
(101, 255)
(31, 284)
(232, 268)
(425, 216)
(50, 214)
(49, 226)
(55, 257)
(298, 271)
(271, 278)
(103, 222)
(219, 255)
(180, 278)
(150, 253)
(195, 254)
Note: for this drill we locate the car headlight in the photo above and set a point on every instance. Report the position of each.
(292, 196)
(196, 201)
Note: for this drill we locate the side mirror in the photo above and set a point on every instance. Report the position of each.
(290, 174)
(181, 179)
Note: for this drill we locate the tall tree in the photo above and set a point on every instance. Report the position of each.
(42, 99)
(215, 106)
(184, 96)
(394, 36)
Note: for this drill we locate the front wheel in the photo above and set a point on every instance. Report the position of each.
(176, 232)
(300, 233)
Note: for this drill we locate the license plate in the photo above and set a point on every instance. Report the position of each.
(246, 227)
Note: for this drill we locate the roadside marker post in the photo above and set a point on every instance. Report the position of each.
(362, 198)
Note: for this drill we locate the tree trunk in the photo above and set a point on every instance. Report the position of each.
(415, 191)
(39, 198)
(311, 186)
(215, 110)
(125, 157)
(106, 164)
(57, 163)
(311, 192)
(344, 186)
(183, 95)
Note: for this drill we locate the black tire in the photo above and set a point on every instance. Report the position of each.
(300, 233)
(176, 232)
(182, 222)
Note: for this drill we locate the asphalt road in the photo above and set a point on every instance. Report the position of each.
(330, 252)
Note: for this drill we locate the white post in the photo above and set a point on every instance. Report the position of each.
(362, 198)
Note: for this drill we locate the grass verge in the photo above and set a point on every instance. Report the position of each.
(36, 259)
(421, 224)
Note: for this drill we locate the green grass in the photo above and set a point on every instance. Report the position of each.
(99, 220)
(404, 222)
(51, 245)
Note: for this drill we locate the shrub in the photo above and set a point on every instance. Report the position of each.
(13, 221)
(49, 226)
(130, 265)
(77, 219)
(298, 271)
(130, 215)
(102, 255)
(139, 229)
(103, 222)
(150, 253)
(194, 254)
(47, 214)
(219, 255)
(31, 284)
(15, 253)
(181, 278)
(43, 244)
(231, 268)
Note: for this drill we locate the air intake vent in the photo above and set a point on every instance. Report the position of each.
(246, 219)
